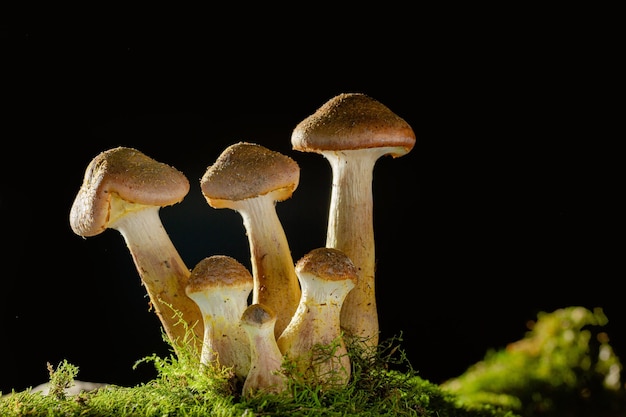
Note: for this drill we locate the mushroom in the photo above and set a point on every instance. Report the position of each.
(123, 189)
(250, 179)
(313, 339)
(220, 286)
(266, 359)
(352, 131)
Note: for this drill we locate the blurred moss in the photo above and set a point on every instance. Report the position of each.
(564, 366)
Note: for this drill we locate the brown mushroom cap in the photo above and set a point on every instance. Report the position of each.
(258, 315)
(245, 170)
(329, 264)
(353, 121)
(218, 271)
(133, 176)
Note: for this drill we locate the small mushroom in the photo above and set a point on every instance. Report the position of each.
(326, 276)
(123, 189)
(266, 359)
(250, 179)
(352, 131)
(220, 286)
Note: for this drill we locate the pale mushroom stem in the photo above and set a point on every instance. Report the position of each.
(326, 277)
(316, 326)
(275, 280)
(351, 230)
(352, 131)
(265, 358)
(161, 269)
(251, 179)
(220, 286)
(225, 342)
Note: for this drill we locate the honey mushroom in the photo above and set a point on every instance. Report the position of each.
(296, 309)
(352, 131)
(123, 189)
(220, 286)
(266, 359)
(250, 179)
(313, 338)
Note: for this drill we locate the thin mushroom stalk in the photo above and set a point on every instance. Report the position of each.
(350, 229)
(313, 339)
(251, 179)
(266, 359)
(220, 286)
(352, 131)
(123, 189)
(161, 268)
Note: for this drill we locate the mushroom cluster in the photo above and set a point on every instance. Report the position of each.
(253, 322)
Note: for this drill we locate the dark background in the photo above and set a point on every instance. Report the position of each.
(509, 204)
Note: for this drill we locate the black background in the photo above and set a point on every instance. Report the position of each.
(509, 204)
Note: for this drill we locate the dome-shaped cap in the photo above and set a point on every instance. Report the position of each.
(353, 121)
(329, 264)
(219, 271)
(132, 175)
(258, 315)
(246, 170)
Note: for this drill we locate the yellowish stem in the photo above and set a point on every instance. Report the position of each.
(275, 281)
(351, 230)
(161, 269)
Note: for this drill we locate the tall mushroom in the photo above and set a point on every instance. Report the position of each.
(266, 359)
(352, 131)
(250, 179)
(313, 338)
(123, 189)
(220, 286)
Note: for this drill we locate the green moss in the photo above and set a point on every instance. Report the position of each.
(183, 388)
(563, 367)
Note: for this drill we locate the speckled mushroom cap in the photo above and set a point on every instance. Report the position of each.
(218, 271)
(329, 264)
(246, 170)
(258, 315)
(133, 176)
(353, 121)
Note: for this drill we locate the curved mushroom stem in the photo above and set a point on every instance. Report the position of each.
(251, 179)
(266, 359)
(275, 280)
(161, 269)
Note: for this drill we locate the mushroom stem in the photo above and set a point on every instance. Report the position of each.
(351, 229)
(161, 269)
(313, 338)
(352, 131)
(220, 286)
(275, 282)
(251, 179)
(265, 358)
